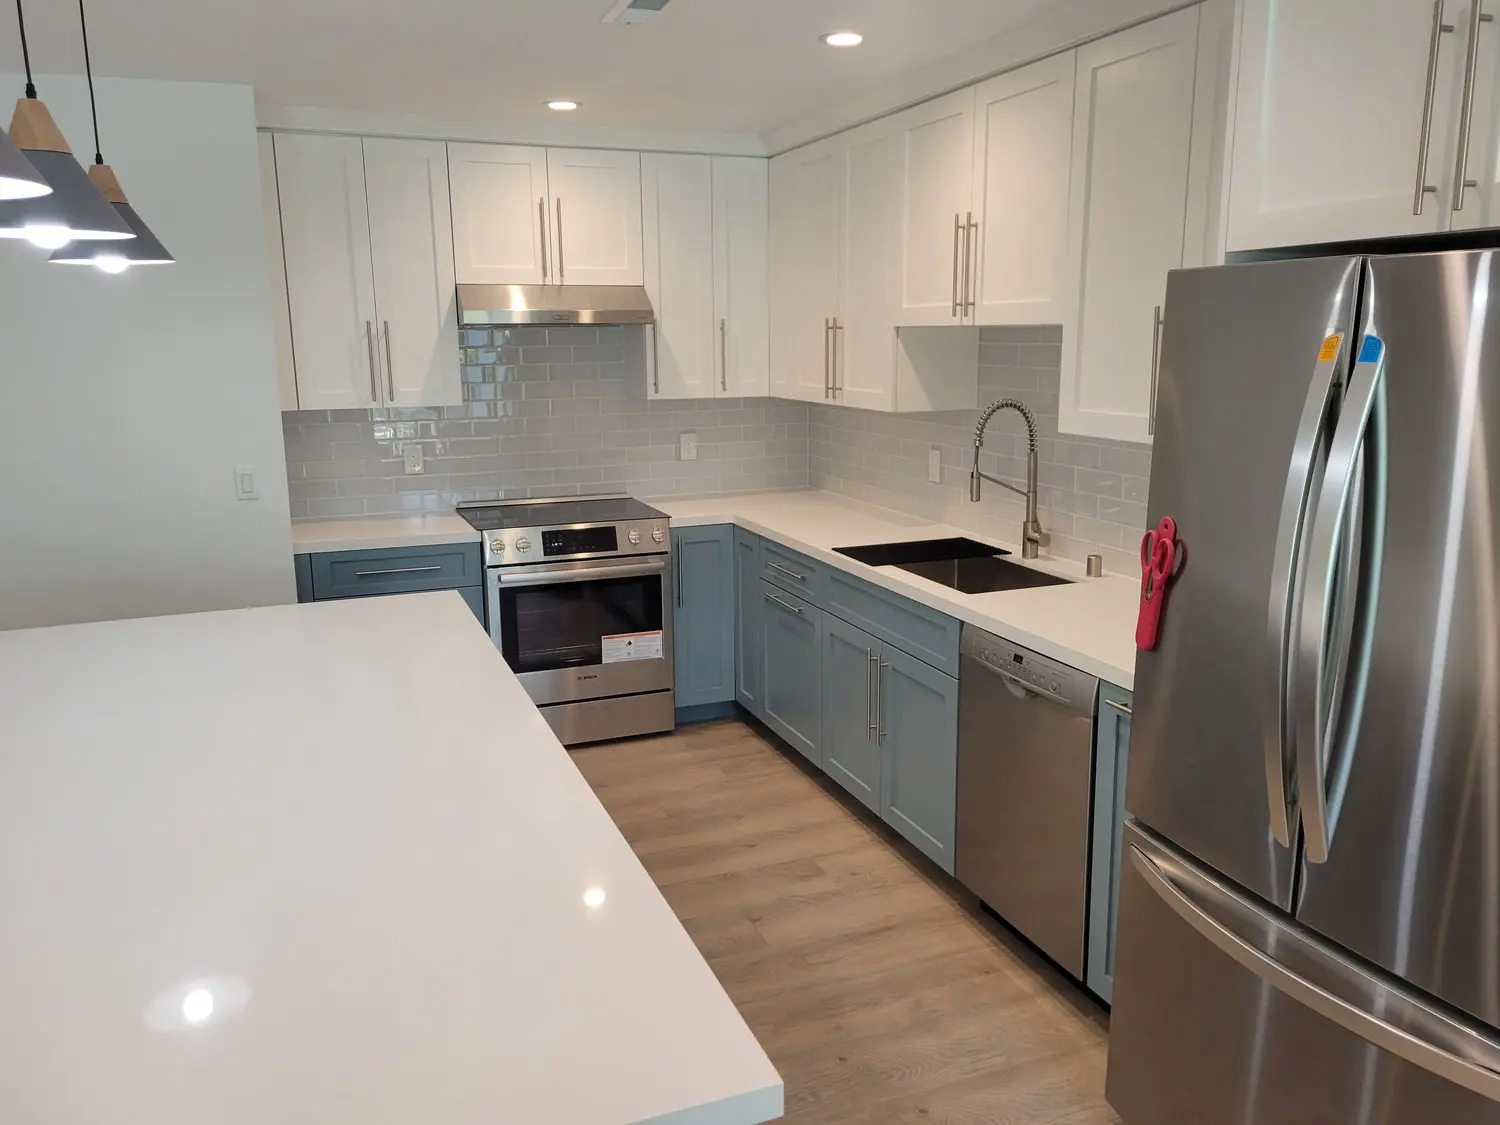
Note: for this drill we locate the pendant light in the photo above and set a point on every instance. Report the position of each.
(145, 249)
(18, 179)
(74, 208)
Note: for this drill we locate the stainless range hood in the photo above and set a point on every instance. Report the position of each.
(485, 306)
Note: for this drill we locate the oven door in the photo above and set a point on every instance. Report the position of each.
(584, 630)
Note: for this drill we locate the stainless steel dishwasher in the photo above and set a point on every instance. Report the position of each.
(1025, 781)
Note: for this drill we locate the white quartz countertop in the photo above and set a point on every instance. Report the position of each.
(430, 528)
(343, 838)
(1089, 624)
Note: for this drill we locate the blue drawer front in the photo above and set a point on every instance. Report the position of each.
(791, 570)
(930, 636)
(402, 570)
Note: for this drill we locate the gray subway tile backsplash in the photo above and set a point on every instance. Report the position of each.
(563, 411)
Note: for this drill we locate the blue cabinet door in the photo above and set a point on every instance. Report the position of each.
(919, 761)
(750, 671)
(791, 632)
(1111, 755)
(851, 750)
(703, 617)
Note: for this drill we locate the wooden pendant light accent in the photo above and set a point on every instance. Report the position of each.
(103, 177)
(32, 128)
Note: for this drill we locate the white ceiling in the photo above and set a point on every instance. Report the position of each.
(731, 66)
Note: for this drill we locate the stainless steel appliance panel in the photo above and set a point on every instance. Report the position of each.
(1412, 878)
(1025, 775)
(1240, 373)
(624, 716)
(1227, 1014)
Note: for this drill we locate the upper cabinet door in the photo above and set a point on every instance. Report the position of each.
(937, 213)
(807, 235)
(1128, 210)
(1329, 119)
(595, 222)
(411, 244)
(281, 316)
(864, 339)
(677, 192)
(1023, 151)
(330, 283)
(741, 283)
(500, 213)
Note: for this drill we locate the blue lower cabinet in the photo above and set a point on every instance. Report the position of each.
(337, 575)
(302, 570)
(1111, 755)
(749, 666)
(851, 748)
(703, 616)
(919, 763)
(792, 699)
(474, 598)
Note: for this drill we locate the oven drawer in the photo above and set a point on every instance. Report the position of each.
(403, 570)
(791, 570)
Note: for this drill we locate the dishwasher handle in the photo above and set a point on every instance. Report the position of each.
(1033, 678)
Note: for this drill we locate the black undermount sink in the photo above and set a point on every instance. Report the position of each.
(919, 551)
(964, 565)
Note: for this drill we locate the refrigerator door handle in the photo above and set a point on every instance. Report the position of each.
(1291, 532)
(1336, 988)
(1329, 706)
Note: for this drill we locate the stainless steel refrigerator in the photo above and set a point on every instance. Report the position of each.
(1309, 919)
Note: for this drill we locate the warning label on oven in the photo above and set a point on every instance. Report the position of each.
(631, 646)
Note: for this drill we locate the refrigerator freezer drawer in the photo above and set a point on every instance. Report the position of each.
(1226, 1015)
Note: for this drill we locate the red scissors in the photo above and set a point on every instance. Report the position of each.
(1159, 558)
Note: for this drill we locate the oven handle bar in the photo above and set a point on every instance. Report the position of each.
(583, 574)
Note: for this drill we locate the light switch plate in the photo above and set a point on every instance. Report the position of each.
(245, 487)
(411, 457)
(687, 446)
(935, 465)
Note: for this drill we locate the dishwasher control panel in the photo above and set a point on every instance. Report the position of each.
(1030, 670)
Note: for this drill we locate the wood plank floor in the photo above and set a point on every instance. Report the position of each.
(879, 990)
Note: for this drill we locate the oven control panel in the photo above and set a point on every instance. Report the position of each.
(520, 546)
(580, 541)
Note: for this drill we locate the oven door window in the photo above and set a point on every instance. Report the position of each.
(563, 625)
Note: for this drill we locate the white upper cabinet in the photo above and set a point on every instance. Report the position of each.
(936, 215)
(330, 279)
(369, 267)
(500, 212)
(741, 281)
(281, 316)
(1481, 202)
(1129, 209)
(807, 231)
(411, 245)
(679, 250)
(863, 342)
(1344, 110)
(596, 217)
(1023, 150)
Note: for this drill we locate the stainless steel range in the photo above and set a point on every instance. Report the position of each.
(579, 604)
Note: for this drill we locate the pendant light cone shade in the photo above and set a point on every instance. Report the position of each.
(145, 249)
(19, 178)
(74, 208)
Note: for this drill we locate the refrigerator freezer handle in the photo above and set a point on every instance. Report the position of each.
(1306, 450)
(1407, 1032)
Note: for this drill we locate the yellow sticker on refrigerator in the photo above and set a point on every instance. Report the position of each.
(1330, 349)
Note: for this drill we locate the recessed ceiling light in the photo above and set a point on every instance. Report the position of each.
(562, 105)
(843, 39)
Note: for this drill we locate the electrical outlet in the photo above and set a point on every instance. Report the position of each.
(935, 465)
(411, 456)
(245, 487)
(687, 446)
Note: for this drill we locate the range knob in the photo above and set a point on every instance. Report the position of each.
(497, 545)
(634, 536)
(523, 544)
(657, 535)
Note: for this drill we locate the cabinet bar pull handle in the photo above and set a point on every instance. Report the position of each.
(1156, 323)
(957, 229)
(784, 605)
(370, 348)
(1124, 709)
(872, 721)
(397, 570)
(971, 256)
(827, 336)
(838, 387)
(1419, 196)
(880, 700)
(655, 360)
(561, 269)
(1466, 114)
(723, 354)
(541, 221)
(677, 567)
(390, 369)
(789, 573)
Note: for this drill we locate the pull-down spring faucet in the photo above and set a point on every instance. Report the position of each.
(1033, 538)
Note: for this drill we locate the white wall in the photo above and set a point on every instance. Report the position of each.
(126, 402)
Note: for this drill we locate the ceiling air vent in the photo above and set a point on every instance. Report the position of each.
(635, 11)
